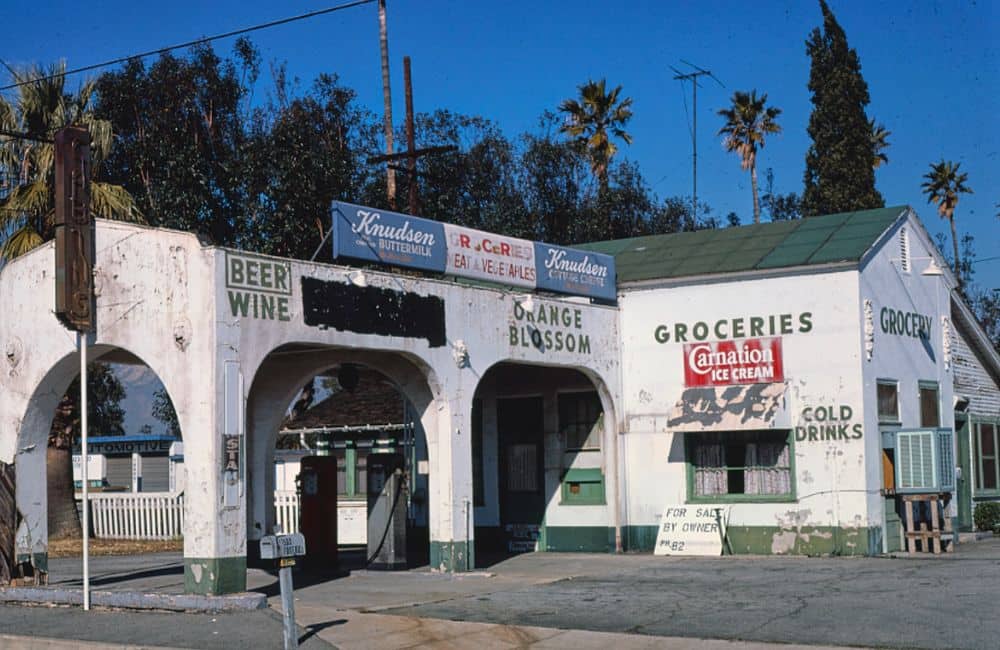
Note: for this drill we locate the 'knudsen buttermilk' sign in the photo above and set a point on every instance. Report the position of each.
(392, 238)
(388, 237)
(722, 363)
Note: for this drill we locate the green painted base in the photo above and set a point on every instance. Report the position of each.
(38, 560)
(452, 557)
(215, 576)
(771, 540)
(585, 539)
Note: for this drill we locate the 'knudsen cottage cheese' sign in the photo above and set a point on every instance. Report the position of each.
(721, 363)
(567, 270)
(391, 238)
(388, 237)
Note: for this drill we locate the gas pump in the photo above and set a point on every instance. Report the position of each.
(386, 511)
(317, 486)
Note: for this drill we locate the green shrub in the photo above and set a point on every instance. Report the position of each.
(987, 515)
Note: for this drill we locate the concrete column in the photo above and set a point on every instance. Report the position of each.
(450, 452)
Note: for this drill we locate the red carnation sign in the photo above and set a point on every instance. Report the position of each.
(743, 361)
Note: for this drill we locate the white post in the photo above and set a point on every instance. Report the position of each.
(83, 453)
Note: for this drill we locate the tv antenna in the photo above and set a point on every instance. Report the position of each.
(693, 78)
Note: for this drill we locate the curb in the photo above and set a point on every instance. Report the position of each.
(14, 642)
(135, 600)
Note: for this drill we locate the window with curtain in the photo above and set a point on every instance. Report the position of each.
(930, 415)
(745, 464)
(888, 400)
(984, 452)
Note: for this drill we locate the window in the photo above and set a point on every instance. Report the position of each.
(888, 400)
(985, 453)
(581, 420)
(756, 465)
(929, 412)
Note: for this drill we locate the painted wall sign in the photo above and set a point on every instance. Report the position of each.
(821, 423)
(905, 323)
(388, 237)
(721, 363)
(373, 310)
(735, 328)
(258, 287)
(549, 327)
(230, 453)
(690, 530)
(567, 270)
(485, 256)
(392, 238)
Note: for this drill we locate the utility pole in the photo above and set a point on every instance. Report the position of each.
(390, 173)
(693, 78)
(412, 153)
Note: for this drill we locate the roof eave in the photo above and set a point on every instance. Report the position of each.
(737, 276)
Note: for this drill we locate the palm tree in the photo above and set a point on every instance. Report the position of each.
(880, 142)
(390, 173)
(748, 121)
(27, 201)
(593, 120)
(943, 186)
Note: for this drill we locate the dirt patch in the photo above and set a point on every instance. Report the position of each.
(73, 546)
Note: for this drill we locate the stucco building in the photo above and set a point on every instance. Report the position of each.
(796, 376)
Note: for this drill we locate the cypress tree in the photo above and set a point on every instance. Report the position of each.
(839, 175)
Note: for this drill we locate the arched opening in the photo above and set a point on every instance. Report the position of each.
(542, 462)
(134, 465)
(366, 409)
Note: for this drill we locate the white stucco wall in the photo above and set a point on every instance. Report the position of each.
(822, 370)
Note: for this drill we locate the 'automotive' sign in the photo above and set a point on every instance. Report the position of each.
(722, 363)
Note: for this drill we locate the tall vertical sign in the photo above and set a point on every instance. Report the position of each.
(74, 277)
(74, 230)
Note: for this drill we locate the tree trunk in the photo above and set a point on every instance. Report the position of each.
(64, 521)
(753, 186)
(954, 244)
(390, 174)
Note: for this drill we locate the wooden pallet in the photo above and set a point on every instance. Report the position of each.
(930, 540)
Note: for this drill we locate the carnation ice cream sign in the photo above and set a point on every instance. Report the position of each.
(741, 361)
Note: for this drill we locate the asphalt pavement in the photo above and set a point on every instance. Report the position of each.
(554, 600)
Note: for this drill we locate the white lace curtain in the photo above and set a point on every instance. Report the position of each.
(767, 469)
(709, 474)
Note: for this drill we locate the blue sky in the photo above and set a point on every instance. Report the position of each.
(933, 71)
(932, 68)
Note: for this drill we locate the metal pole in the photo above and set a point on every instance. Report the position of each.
(694, 144)
(288, 606)
(82, 338)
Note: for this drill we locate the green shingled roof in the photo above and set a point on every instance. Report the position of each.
(827, 239)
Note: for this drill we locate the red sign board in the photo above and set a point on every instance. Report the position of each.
(743, 361)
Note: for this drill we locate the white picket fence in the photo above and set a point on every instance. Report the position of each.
(160, 515)
(286, 510)
(137, 515)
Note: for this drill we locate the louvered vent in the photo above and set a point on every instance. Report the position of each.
(916, 460)
(904, 250)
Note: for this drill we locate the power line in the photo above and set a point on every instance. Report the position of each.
(207, 39)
